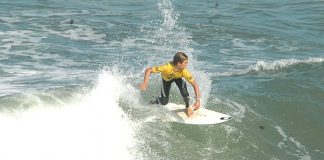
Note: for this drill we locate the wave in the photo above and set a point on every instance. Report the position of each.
(283, 63)
(289, 143)
(76, 32)
(92, 126)
(263, 66)
(26, 38)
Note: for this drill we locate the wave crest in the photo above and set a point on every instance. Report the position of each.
(280, 64)
(262, 66)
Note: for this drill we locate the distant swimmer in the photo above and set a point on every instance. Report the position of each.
(71, 21)
(171, 72)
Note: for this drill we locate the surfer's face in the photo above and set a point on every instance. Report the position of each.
(183, 65)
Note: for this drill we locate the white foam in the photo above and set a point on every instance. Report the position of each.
(230, 129)
(283, 63)
(270, 66)
(238, 110)
(32, 66)
(94, 127)
(80, 32)
(151, 119)
(48, 13)
(10, 19)
(26, 44)
(233, 134)
(241, 45)
(285, 46)
(20, 37)
(286, 145)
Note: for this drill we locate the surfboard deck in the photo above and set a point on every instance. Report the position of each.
(201, 116)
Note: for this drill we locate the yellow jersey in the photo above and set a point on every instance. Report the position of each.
(168, 72)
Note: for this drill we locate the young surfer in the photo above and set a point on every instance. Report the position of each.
(171, 72)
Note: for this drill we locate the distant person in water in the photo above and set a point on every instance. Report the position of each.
(171, 72)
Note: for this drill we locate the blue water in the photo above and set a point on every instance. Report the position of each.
(69, 73)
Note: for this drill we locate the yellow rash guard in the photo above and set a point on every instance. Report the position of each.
(168, 72)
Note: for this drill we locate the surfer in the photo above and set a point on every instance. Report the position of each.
(171, 72)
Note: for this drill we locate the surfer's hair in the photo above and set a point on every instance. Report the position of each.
(179, 57)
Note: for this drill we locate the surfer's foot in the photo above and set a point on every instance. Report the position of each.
(189, 111)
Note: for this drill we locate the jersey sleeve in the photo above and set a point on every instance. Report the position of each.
(188, 76)
(158, 69)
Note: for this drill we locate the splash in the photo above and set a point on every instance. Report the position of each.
(94, 128)
(175, 38)
(168, 13)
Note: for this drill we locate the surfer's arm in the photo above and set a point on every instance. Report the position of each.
(147, 74)
(192, 81)
(196, 89)
(197, 93)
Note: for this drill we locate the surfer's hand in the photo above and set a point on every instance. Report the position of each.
(196, 105)
(143, 86)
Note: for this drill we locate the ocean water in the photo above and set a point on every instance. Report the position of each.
(69, 72)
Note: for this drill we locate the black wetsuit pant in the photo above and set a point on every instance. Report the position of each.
(165, 91)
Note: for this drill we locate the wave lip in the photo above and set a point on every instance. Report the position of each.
(280, 64)
(262, 66)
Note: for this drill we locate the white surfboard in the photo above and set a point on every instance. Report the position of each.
(201, 116)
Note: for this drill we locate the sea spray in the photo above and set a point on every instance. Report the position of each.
(94, 128)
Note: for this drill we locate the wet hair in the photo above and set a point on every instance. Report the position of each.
(179, 57)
